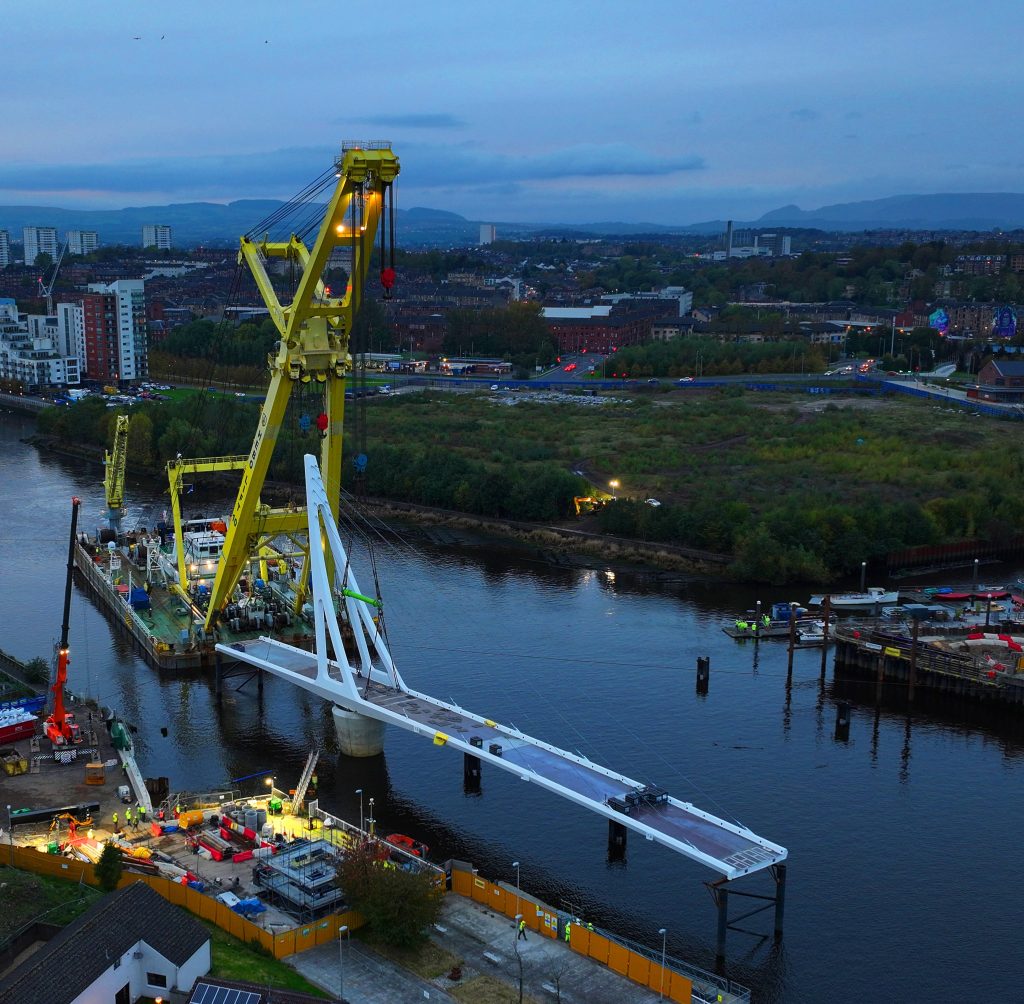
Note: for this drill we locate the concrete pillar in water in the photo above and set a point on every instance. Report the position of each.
(357, 734)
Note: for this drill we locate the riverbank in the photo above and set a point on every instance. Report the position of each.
(554, 542)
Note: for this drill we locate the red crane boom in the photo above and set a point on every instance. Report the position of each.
(60, 726)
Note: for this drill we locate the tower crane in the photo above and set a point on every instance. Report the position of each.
(60, 726)
(46, 288)
(313, 349)
(113, 478)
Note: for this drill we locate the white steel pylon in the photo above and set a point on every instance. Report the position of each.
(372, 651)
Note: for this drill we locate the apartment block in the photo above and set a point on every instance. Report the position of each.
(82, 241)
(37, 241)
(5, 249)
(157, 236)
(114, 331)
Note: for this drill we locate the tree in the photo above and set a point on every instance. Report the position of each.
(398, 905)
(108, 868)
(37, 671)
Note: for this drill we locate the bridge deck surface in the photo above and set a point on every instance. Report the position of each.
(729, 847)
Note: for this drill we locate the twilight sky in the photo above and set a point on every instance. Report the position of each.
(666, 111)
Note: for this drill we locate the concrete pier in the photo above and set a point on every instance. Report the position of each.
(357, 734)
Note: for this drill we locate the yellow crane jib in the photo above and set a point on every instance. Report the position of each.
(314, 347)
(113, 477)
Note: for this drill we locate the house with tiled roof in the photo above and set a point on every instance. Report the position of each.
(131, 944)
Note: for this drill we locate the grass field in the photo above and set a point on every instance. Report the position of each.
(28, 897)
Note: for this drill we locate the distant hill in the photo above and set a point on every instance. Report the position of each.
(215, 225)
(978, 211)
(218, 225)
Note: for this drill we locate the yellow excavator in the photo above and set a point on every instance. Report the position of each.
(313, 350)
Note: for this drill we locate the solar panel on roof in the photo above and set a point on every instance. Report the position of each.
(205, 993)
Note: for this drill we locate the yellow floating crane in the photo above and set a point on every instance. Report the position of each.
(313, 349)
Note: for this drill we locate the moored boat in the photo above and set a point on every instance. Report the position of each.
(874, 596)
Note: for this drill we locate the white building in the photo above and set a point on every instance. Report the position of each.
(683, 298)
(5, 249)
(131, 944)
(31, 352)
(156, 235)
(131, 341)
(488, 233)
(37, 241)
(82, 241)
(71, 329)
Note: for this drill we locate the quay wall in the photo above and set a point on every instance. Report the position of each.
(877, 657)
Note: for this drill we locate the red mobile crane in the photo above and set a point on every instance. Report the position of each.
(60, 726)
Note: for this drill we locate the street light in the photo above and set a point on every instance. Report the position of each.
(10, 834)
(515, 864)
(369, 819)
(359, 792)
(342, 938)
(613, 484)
(863, 574)
(663, 932)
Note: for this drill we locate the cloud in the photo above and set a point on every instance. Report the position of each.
(804, 114)
(438, 120)
(278, 173)
(195, 177)
(429, 167)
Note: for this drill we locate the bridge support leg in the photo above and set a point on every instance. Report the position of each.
(218, 686)
(721, 895)
(616, 841)
(471, 774)
(779, 874)
(357, 734)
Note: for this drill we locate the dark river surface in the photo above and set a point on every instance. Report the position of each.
(904, 842)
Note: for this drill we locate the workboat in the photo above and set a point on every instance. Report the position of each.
(875, 596)
(774, 624)
(421, 850)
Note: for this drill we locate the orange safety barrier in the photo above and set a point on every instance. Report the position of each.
(280, 945)
(680, 989)
(638, 968)
(598, 946)
(618, 958)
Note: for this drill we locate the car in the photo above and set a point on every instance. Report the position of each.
(653, 502)
(685, 380)
(654, 380)
(494, 386)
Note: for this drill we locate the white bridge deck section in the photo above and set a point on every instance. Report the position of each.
(729, 849)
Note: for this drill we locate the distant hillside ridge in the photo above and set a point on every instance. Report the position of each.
(950, 211)
(214, 224)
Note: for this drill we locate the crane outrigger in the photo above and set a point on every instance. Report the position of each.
(315, 328)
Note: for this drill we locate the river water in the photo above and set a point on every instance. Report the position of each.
(903, 841)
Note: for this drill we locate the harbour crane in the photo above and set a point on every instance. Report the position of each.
(113, 478)
(46, 288)
(60, 727)
(314, 329)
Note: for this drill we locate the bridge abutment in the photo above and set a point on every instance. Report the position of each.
(357, 734)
